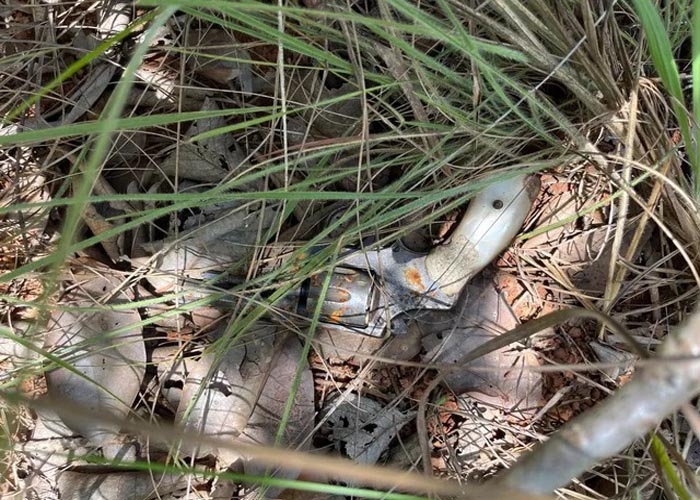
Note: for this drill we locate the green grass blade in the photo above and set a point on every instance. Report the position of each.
(663, 57)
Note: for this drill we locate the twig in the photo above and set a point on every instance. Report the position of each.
(657, 390)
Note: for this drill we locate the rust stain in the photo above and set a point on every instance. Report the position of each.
(337, 315)
(414, 279)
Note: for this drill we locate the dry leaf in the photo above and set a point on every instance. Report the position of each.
(339, 119)
(105, 351)
(210, 160)
(223, 243)
(219, 392)
(265, 421)
(501, 377)
(219, 57)
(362, 428)
(118, 485)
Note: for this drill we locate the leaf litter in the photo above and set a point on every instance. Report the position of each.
(170, 360)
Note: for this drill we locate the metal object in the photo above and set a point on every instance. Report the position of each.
(369, 290)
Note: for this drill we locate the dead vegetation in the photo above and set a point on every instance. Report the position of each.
(157, 160)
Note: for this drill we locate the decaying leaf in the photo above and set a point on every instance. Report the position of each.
(47, 455)
(16, 355)
(52, 447)
(127, 148)
(219, 57)
(342, 346)
(221, 240)
(362, 428)
(104, 355)
(118, 485)
(500, 377)
(180, 265)
(340, 118)
(657, 389)
(623, 360)
(582, 252)
(482, 429)
(91, 281)
(114, 18)
(215, 394)
(233, 229)
(208, 404)
(240, 394)
(265, 421)
(23, 182)
(99, 225)
(106, 350)
(209, 160)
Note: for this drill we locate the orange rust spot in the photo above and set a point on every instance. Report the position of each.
(413, 278)
(336, 316)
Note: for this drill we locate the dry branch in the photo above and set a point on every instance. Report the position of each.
(659, 388)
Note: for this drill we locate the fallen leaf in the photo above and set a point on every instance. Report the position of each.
(225, 240)
(606, 354)
(104, 355)
(340, 118)
(219, 389)
(118, 485)
(209, 160)
(217, 55)
(264, 424)
(362, 428)
(501, 377)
